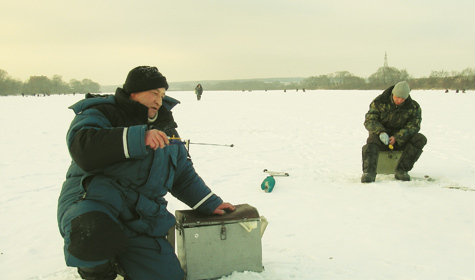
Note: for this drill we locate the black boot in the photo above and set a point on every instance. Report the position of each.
(409, 156)
(368, 177)
(402, 176)
(370, 156)
(105, 271)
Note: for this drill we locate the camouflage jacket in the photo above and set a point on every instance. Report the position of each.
(402, 121)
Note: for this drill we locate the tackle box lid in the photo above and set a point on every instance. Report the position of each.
(243, 212)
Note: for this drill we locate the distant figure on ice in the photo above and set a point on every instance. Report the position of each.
(198, 91)
(112, 212)
(394, 118)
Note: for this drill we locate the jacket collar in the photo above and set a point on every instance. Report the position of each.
(139, 110)
(131, 107)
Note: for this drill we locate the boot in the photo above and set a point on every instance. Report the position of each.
(106, 271)
(370, 156)
(368, 177)
(402, 176)
(409, 156)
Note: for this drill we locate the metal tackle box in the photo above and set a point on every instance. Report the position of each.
(387, 161)
(214, 246)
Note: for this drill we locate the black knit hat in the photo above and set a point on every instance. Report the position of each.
(143, 78)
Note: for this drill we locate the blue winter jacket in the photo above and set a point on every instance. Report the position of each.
(112, 166)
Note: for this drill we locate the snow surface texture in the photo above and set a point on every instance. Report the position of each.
(323, 223)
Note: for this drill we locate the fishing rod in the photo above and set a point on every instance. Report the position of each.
(187, 142)
(211, 144)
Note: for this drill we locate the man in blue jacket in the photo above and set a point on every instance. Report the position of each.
(111, 211)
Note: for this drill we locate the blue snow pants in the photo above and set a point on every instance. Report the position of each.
(142, 258)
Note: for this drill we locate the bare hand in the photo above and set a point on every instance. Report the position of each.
(392, 140)
(221, 210)
(156, 139)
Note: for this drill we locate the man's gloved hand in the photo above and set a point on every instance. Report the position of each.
(384, 137)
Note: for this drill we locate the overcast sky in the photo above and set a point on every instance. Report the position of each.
(196, 40)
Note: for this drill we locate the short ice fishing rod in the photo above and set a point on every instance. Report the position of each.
(187, 142)
(211, 144)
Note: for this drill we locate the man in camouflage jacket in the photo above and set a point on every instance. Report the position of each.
(393, 121)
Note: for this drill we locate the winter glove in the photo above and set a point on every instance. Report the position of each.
(384, 137)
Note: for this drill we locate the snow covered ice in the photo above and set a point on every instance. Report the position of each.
(323, 223)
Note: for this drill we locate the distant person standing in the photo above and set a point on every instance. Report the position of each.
(198, 91)
(394, 119)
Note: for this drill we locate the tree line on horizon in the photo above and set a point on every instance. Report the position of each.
(342, 80)
(44, 85)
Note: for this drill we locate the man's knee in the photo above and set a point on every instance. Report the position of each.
(418, 141)
(95, 236)
(370, 149)
(373, 139)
